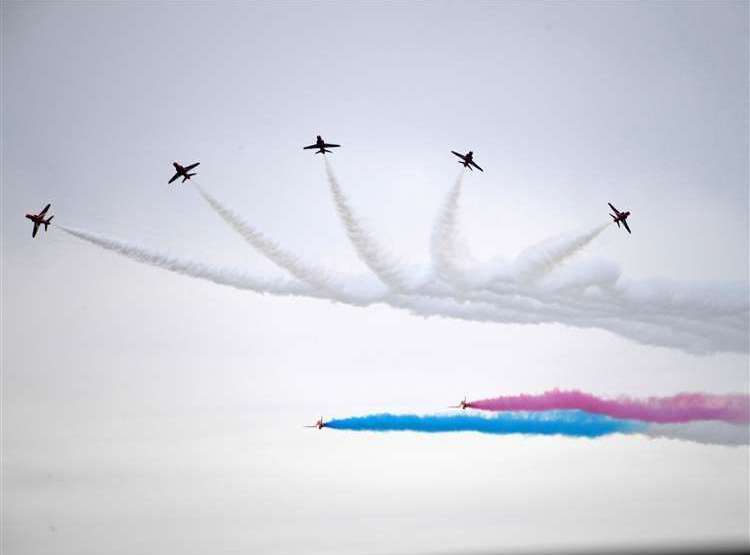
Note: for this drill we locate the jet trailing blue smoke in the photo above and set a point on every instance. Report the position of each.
(565, 423)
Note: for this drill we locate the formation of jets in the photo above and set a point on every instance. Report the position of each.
(321, 147)
(467, 160)
(463, 405)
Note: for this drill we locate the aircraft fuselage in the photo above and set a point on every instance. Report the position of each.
(37, 219)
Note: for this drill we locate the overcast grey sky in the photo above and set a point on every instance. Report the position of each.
(144, 411)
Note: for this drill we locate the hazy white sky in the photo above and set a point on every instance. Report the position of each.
(144, 411)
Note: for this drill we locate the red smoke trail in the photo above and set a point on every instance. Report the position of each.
(684, 407)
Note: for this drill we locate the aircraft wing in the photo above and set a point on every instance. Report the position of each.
(613, 208)
(459, 155)
(175, 176)
(191, 166)
(326, 145)
(308, 147)
(36, 228)
(44, 211)
(625, 223)
(476, 166)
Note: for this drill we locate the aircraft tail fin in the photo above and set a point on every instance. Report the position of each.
(46, 224)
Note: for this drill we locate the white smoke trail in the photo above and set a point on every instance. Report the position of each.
(540, 259)
(190, 268)
(451, 258)
(381, 263)
(453, 262)
(696, 332)
(581, 274)
(697, 319)
(711, 433)
(268, 248)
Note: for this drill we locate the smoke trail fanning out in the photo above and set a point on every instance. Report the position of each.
(685, 407)
(569, 423)
(542, 286)
(381, 263)
(189, 268)
(558, 423)
(310, 275)
(450, 254)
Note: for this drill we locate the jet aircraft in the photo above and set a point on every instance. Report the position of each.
(321, 145)
(183, 171)
(620, 217)
(319, 424)
(38, 220)
(462, 405)
(467, 160)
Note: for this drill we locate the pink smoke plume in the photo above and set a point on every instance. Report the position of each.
(684, 407)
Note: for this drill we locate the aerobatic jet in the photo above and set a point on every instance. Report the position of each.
(319, 424)
(620, 217)
(321, 145)
(467, 160)
(462, 405)
(183, 171)
(38, 220)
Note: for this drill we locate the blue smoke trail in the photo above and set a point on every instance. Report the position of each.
(572, 423)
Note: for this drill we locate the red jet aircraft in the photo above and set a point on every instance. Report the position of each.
(462, 405)
(38, 220)
(620, 217)
(321, 145)
(183, 171)
(467, 160)
(319, 424)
